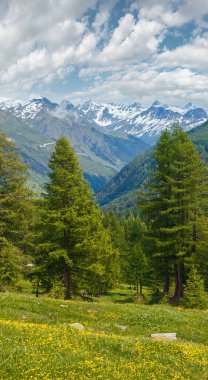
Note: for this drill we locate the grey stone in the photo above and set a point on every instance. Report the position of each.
(77, 326)
(166, 336)
(121, 327)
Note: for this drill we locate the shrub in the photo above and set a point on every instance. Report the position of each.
(194, 292)
(57, 290)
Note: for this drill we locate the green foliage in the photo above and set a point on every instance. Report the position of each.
(10, 268)
(57, 290)
(194, 292)
(173, 204)
(121, 192)
(165, 300)
(134, 263)
(15, 213)
(74, 242)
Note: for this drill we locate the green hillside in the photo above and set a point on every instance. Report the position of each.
(121, 191)
(101, 155)
(38, 341)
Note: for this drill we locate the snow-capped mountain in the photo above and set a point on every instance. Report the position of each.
(26, 109)
(34, 126)
(145, 123)
(106, 114)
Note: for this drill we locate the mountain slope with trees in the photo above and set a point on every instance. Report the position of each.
(121, 191)
(101, 155)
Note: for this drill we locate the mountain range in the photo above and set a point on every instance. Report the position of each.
(120, 193)
(146, 123)
(105, 136)
(34, 126)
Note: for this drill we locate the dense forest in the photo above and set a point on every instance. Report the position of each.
(62, 244)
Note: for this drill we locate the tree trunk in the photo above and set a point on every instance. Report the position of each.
(140, 288)
(178, 271)
(137, 289)
(67, 271)
(167, 280)
(67, 282)
(37, 288)
(194, 238)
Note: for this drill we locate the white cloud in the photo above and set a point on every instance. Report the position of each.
(39, 39)
(192, 55)
(45, 40)
(132, 41)
(175, 87)
(172, 12)
(101, 19)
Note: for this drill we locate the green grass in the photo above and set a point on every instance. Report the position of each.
(37, 342)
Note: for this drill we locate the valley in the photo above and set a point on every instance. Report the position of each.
(106, 137)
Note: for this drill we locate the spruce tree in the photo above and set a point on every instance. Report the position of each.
(76, 246)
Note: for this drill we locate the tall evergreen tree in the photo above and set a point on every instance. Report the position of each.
(156, 203)
(15, 210)
(74, 239)
(134, 263)
(174, 203)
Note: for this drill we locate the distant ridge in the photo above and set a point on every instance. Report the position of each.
(121, 191)
(105, 136)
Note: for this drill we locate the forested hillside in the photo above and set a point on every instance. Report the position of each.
(62, 244)
(121, 192)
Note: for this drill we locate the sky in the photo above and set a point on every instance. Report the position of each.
(119, 51)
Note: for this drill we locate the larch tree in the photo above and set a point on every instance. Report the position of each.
(173, 204)
(15, 211)
(74, 240)
(134, 263)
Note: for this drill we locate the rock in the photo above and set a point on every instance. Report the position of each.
(121, 327)
(77, 326)
(166, 336)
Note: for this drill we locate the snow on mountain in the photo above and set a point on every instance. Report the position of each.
(26, 109)
(146, 123)
(106, 114)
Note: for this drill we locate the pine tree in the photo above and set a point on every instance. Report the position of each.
(76, 246)
(173, 204)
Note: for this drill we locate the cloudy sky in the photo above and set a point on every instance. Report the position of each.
(105, 50)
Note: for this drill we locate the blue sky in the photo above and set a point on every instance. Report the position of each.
(108, 51)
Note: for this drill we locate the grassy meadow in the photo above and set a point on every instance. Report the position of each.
(37, 341)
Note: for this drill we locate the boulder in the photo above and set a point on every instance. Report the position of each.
(166, 336)
(77, 326)
(121, 327)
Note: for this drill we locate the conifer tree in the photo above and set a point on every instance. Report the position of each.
(15, 211)
(194, 292)
(155, 205)
(173, 204)
(134, 261)
(74, 240)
